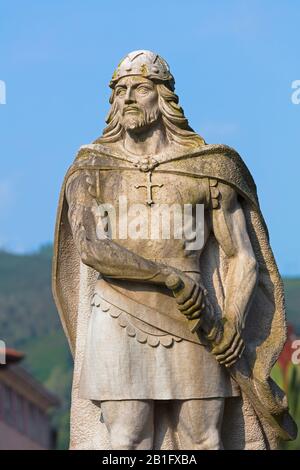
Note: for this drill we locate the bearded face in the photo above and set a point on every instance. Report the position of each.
(136, 99)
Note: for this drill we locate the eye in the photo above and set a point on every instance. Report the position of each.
(120, 91)
(143, 90)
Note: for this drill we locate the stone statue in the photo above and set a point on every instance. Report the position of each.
(173, 340)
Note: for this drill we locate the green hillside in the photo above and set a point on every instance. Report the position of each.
(29, 322)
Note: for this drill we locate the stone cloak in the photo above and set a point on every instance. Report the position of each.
(265, 331)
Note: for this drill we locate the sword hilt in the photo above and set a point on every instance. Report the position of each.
(212, 327)
(174, 282)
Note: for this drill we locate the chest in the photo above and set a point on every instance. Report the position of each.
(152, 187)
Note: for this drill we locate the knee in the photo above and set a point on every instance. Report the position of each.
(129, 424)
(209, 440)
(129, 440)
(122, 441)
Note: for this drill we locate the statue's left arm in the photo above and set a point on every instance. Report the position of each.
(230, 230)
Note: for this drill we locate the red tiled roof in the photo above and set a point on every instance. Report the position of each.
(11, 355)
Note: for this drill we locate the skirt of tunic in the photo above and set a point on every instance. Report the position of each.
(126, 359)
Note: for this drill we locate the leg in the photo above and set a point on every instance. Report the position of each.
(129, 423)
(199, 423)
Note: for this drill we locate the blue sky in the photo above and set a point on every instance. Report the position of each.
(234, 63)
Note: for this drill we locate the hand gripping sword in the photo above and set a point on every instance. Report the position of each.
(267, 399)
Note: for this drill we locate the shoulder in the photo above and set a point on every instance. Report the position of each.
(220, 150)
(76, 185)
(226, 165)
(108, 149)
(79, 174)
(87, 158)
(220, 158)
(87, 153)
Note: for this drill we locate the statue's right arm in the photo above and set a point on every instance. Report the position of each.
(105, 255)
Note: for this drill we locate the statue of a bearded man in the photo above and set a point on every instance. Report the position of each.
(173, 337)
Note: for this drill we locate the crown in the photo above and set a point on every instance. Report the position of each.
(145, 63)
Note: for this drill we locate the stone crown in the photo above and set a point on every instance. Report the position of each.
(146, 63)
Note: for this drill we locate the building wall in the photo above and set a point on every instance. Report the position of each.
(11, 439)
(23, 424)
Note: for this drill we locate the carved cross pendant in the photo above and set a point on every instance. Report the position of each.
(149, 187)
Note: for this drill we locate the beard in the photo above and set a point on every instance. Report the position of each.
(133, 121)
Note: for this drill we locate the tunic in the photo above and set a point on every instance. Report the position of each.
(126, 358)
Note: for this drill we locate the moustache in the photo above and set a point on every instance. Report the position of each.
(131, 108)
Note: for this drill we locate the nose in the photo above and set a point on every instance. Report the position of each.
(129, 97)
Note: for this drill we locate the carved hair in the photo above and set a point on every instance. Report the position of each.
(176, 124)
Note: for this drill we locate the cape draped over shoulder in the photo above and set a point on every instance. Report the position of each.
(265, 330)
